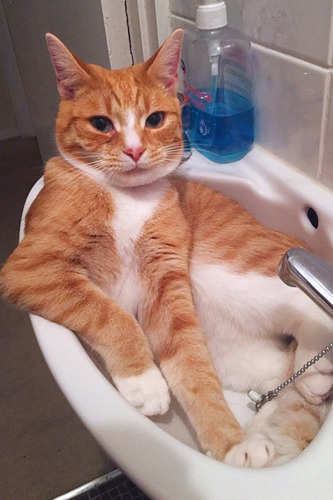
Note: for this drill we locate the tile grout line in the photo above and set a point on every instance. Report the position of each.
(290, 57)
(181, 18)
(88, 486)
(326, 104)
(330, 41)
(324, 125)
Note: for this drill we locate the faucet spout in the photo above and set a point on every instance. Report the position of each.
(311, 274)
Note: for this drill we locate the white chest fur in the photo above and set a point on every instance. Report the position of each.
(133, 208)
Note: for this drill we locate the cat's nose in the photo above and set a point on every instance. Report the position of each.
(134, 153)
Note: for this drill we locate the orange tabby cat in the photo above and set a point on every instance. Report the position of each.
(119, 253)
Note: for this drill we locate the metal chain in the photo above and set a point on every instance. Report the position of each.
(304, 368)
(264, 398)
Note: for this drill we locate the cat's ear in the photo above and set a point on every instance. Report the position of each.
(70, 71)
(163, 66)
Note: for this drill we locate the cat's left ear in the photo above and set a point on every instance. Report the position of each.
(70, 71)
(163, 66)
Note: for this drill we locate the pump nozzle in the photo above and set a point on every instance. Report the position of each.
(211, 14)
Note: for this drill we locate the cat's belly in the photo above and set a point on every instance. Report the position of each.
(243, 316)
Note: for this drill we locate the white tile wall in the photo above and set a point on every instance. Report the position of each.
(327, 174)
(289, 98)
(184, 8)
(293, 52)
(298, 27)
(180, 22)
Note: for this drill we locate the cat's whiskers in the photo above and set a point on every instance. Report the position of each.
(167, 154)
(201, 146)
(93, 160)
(107, 171)
(105, 164)
(173, 146)
(165, 159)
(73, 174)
(111, 174)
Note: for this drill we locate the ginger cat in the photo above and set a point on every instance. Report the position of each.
(173, 284)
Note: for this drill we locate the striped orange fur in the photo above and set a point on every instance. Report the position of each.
(110, 239)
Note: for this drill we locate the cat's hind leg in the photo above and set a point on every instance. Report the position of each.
(278, 432)
(315, 331)
(173, 329)
(316, 383)
(257, 449)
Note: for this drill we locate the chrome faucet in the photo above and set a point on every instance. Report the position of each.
(314, 276)
(311, 274)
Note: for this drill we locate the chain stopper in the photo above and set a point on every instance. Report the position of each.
(262, 399)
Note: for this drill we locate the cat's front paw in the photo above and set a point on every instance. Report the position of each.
(316, 384)
(147, 392)
(254, 451)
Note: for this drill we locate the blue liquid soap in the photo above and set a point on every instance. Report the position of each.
(224, 130)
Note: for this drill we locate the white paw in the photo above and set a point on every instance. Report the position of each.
(252, 452)
(316, 383)
(148, 392)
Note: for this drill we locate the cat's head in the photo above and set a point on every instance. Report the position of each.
(120, 126)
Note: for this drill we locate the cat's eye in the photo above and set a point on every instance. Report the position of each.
(155, 119)
(101, 123)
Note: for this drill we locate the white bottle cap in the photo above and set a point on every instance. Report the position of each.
(211, 15)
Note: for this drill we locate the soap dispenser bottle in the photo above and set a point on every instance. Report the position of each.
(217, 77)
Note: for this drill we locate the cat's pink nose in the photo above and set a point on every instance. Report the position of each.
(135, 153)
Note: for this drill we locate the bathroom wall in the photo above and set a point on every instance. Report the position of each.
(8, 126)
(15, 118)
(293, 54)
(93, 30)
(28, 22)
